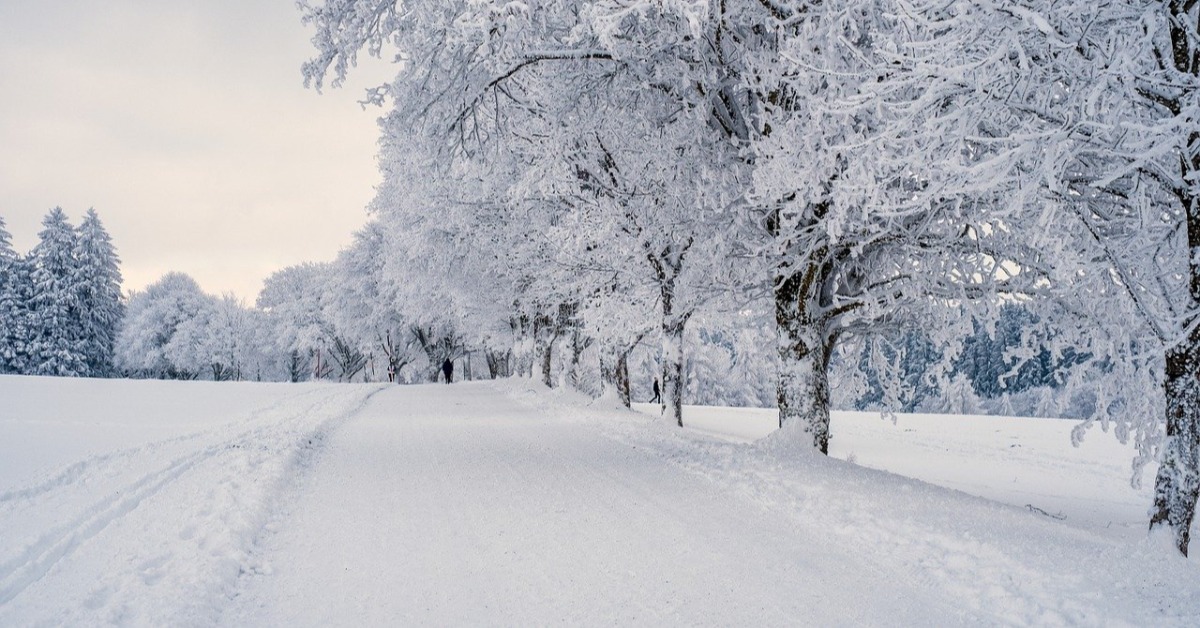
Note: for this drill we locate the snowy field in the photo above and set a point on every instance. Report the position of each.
(1025, 462)
(169, 503)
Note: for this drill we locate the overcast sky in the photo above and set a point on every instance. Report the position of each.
(187, 126)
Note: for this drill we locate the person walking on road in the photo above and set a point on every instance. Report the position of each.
(657, 393)
(448, 370)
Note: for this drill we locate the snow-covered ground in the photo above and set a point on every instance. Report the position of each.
(1025, 462)
(165, 503)
(139, 502)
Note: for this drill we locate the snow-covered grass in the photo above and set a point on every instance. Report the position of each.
(137, 502)
(1026, 462)
(167, 503)
(50, 422)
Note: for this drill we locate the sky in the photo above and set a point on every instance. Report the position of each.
(186, 125)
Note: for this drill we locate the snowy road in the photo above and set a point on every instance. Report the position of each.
(485, 511)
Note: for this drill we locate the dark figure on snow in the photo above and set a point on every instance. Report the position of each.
(391, 372)
(448, 370)
(657, 393)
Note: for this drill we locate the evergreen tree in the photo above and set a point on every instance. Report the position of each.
(12, 311)
(1003, 361)
(898, 378)
(56, 346)
(7, 258)
(99, 283)
(15, 303)
(7, 254)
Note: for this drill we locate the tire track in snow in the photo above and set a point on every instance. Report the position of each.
(39, 558)
(271, 437)
(79, 470)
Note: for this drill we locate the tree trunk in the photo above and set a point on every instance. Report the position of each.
(572, 375)
(523, 355)
(614, 370)
(804, 351)
(621, 379)
(547, 357)
(523, 346)
(295, 366)
(545, 332)
(1178, 483)
(668, 266)
(672, 368)
(497, 363)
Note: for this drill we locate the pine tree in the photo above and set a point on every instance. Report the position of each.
(7, 254)
(12, 311)
(15, 303)
(99, 283)
(55, 347)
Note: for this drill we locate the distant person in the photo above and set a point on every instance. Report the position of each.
(391, 371)
(448, 370)
(657, 393)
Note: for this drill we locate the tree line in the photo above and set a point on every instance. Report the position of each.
(310, 324)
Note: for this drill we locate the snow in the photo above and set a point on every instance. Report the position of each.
(1019, 461)
(168, 503)
(157, 492)
(50, 422)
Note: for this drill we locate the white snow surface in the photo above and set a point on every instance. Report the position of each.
(186, 503)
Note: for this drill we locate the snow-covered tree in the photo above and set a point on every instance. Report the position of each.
(730, 362)
(218, 342)
(1006, 355)
(1130, 196)
(57, 345)
(362, 305)
(153, 318)
(13, 291)
(293, 299)
(1164, 81)
(9, 259)
(99, 282)
(958, 397)
(644, 208)
(1093, 143)
(901, 374)
(461, 260)
(7, 254)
